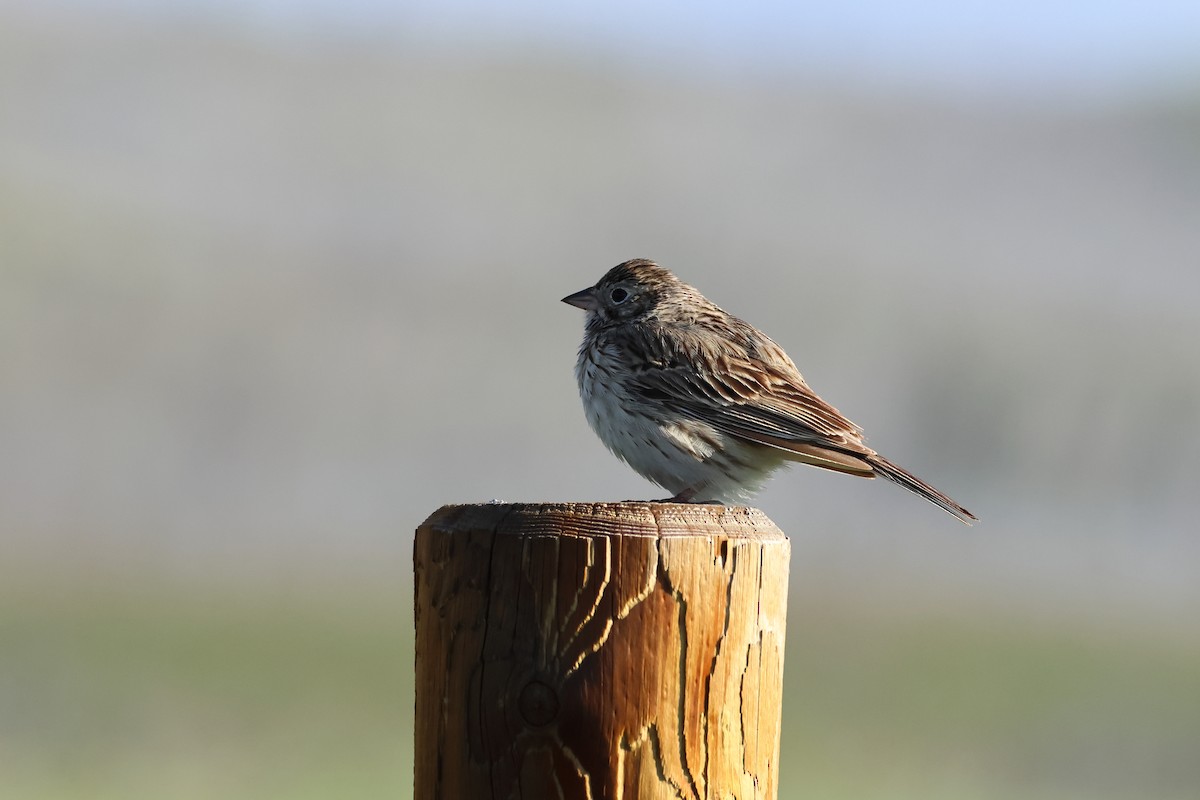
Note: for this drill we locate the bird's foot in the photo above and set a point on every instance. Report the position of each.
(688, 496)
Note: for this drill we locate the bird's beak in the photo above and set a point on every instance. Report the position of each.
(585, 299)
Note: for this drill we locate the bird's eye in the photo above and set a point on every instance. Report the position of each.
(619, 295)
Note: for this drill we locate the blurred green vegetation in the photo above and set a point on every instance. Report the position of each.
(160, 695)
(168, 694)
(967, 706)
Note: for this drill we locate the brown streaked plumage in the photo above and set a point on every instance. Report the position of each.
(702, 403)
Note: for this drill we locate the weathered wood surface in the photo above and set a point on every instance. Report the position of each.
(622, 650)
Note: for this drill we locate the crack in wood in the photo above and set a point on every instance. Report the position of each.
(600, 593)
(681, 602)
(647, 736)
(580, 771)
(729, 564)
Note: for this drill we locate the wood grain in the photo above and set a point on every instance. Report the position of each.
(608, 650)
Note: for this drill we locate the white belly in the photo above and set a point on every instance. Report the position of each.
(673, 451)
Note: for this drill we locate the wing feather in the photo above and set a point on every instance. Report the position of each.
(752, 391)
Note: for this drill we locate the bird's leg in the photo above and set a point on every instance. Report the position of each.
(684, 496)
(687, 496)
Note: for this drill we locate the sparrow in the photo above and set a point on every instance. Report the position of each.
(704, 404)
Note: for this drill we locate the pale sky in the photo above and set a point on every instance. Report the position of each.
(1022, 44)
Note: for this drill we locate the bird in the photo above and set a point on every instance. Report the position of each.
(704, 404)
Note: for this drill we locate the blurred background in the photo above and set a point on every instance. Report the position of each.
(279, 279)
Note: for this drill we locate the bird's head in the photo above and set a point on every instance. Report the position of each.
(630, 291)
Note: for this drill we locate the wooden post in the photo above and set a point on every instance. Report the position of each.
(607, 650)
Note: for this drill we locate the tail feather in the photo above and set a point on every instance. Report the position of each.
(898, 475)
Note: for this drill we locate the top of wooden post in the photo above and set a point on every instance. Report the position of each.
(599, 650)
(621, 519)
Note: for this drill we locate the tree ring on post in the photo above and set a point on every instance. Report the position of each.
(538, 703)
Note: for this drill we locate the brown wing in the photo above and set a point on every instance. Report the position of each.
(744, 385)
